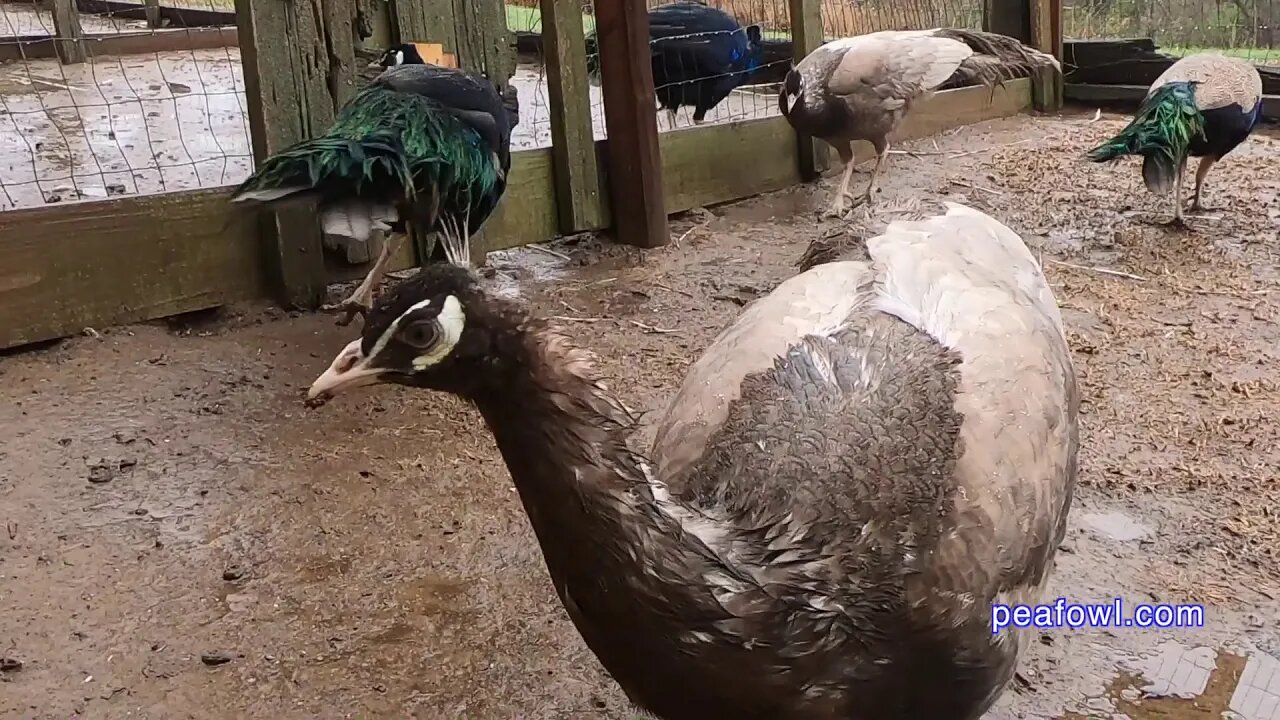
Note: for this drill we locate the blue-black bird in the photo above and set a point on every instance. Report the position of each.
(699, 54)
(422, 150)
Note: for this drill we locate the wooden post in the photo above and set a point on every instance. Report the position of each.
(630, 109)
(473, 30)
(69, 37)
(806, 36)
(292, 90)
(573, 148)
(1046, 26)
(153, 13)
(1008, 17)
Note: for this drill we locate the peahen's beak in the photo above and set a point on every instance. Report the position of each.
(349, 370)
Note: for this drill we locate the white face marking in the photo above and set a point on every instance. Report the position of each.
(390, 332)
(399, 57)
(791, 101)
(452, 321)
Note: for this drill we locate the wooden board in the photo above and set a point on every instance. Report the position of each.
(293, 89)
(634, 161)
(807, 35)
(474, 31)
(757, 156)
(67, 33)
(1129, 96)
(14, 48)
(577, 175)
(93, 264)
(1132, 61)
(714, 163)
(527, 213)
(434, 54)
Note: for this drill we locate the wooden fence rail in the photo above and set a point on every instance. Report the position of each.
(93, 264)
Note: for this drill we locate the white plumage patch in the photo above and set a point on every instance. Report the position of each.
(357, 219)
(452, 321)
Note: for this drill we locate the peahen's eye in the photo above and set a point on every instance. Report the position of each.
(421, 335)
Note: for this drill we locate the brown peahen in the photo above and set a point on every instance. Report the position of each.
(851, 475)
(860, 88)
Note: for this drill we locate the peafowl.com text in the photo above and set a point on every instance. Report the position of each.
(1065, 614)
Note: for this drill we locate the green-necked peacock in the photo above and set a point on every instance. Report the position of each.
(1203, 106)
(422, 150)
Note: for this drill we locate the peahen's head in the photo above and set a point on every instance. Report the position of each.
(406, 54)
(790, 91)
(436, 330)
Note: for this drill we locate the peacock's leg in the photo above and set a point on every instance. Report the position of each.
(882, 151)
(671, 118)
(1206, 163)
(1177, 195)
(838, 203)
(360, 301)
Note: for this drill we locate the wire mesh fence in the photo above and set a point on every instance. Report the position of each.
(845, 18)
(709, 65)
(1248, 29)
(134, 121)
(524, 19)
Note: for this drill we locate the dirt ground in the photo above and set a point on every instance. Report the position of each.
(186, 540)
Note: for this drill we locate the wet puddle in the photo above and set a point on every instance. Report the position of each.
(1114, 525)
(1177, 682)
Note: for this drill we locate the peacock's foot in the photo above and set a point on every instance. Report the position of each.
(359, 303)
(840, 206)
(1197, 207)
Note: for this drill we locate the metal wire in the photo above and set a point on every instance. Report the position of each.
(530, 79)
(845, 18)
(117, 124)
(1248, 29)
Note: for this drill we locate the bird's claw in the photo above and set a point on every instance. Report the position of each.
(847, 204)
(351, 308)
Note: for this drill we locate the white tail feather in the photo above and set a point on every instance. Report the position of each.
(357, 219)
(456, 238)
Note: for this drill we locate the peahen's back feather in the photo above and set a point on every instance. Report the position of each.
(1162, 131)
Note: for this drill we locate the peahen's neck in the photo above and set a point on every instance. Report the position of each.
(563, 437)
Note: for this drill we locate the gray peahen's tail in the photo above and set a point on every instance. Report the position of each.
(996, 58)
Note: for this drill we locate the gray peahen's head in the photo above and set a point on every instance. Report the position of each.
(438, 330)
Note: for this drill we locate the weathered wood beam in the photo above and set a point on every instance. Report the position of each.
(573, 146)
(292, 90)
(69, 37)
(1046, 84)
(807, 36)
(634, 160)
(152, 8)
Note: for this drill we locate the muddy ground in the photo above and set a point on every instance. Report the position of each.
(183, 539)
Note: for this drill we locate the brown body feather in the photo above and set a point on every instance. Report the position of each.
(857, 467)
